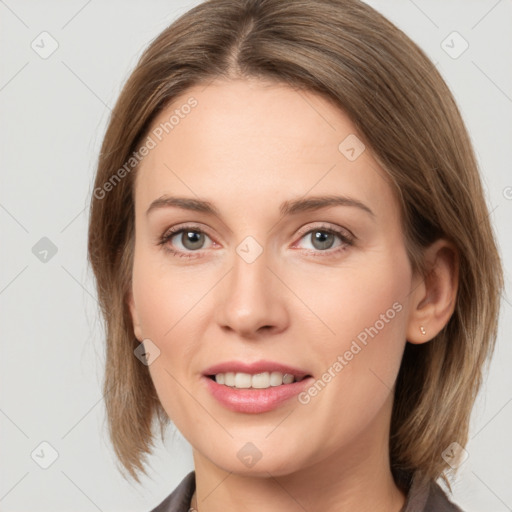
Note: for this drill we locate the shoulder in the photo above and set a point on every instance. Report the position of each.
(438, 501)
(179, 499)
(427, 497)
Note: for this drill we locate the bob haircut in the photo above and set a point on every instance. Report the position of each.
(351, 55)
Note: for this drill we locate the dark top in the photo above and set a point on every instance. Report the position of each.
(420, 498)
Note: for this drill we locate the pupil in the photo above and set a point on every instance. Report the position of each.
(320, 241)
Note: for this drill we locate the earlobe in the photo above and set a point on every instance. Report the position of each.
(137, 330)
(433, 300)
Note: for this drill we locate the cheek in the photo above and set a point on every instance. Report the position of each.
(163, 296)
(169, 303)
(354, 301)
(162, 311)
(363, 323)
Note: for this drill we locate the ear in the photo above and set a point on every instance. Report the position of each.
(137, 330)
(434, 295)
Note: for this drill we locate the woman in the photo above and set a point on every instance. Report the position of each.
(294, 260)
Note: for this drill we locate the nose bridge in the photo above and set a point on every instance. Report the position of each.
(252, 297)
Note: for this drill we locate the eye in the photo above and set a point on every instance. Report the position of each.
(180, 240)
(322, 239)
(184, 241)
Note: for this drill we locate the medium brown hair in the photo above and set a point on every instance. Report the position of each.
(350, 54)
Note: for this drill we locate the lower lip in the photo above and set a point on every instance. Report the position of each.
(250, 400)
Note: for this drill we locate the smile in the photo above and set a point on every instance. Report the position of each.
(254, 388)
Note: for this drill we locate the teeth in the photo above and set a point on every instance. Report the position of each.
(258, 381)
(288, 379)
(243, 380)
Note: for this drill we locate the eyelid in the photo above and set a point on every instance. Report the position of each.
(328, 227)
(182, 227)
(304, 230)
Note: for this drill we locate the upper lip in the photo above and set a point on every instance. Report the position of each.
(254, 368)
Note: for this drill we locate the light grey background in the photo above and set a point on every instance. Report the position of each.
(53, 114)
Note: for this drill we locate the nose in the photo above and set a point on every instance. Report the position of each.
(252, 299)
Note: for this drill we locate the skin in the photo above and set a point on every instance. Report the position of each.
(247, 147)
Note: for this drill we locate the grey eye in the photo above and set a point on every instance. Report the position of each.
(191, 240)
(322, 239)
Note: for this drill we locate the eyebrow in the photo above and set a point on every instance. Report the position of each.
(287, 207)
(318, 202)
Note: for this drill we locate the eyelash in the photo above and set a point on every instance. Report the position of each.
(346, 238)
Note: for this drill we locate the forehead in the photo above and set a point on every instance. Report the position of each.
(258, 141)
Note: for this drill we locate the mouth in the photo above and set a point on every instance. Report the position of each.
(254, 388)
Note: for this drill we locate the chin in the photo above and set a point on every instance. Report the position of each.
(257, 458)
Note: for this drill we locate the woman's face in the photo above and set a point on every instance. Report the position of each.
(277, 280)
